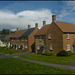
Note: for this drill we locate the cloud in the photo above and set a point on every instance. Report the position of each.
(64, 13)
(67, 9)
(21, 19)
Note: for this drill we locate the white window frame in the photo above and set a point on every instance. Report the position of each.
(51, 47)
(38, 47)
(23, 47)
(68, 47)
(17, 39)
(68, 36)
(40, 38)
(50, 36)
(26, 46)
(22, 39)
(12, 39)
(25, 39)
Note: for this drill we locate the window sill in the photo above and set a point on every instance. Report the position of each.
(49, 39)
(51, 50)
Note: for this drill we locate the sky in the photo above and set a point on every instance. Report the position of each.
(19, 14)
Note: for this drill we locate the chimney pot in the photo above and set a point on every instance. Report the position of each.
(53, 18)
(28, 26)
(17, 29)
(36, 25)
(44, 22)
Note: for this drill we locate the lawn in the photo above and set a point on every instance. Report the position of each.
(9, 51)
(15, 66)
(0, 55)
(51, 59)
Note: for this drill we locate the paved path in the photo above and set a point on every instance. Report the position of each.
(48, 64)
(17, 56)
(12, 55)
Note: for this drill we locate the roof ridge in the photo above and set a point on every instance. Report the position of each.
(64, 22)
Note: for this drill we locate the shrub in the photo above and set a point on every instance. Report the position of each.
(69, 53)
(44, 53)
(62, 53)
(49, 53)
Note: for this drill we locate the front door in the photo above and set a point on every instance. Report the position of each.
(73, 48)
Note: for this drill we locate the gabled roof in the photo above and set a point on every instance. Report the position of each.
(43, 30)
(2, 37)
(7, 37)
(66, 27)
(18, 34)
(28, 32)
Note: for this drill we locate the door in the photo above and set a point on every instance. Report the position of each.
(73, 48)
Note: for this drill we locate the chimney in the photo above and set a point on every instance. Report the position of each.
(17, 29)
(44, 22)
(36, 25)
(28, 26)
(9, 32)
(53, 18)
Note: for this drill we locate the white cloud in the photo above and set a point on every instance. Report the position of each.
(64, 13)
(23, 18)
(67, 9)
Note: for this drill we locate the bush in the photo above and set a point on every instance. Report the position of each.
(69, 53)
(44, 53)
(62, 53)
(49, 53)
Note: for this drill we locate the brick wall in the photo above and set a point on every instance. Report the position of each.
(31, 41)
(56, 40)
(68, 41)
(38, 42)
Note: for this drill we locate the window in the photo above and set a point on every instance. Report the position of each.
(68, 36)
(17, 39)
(19, 46)
(26, 46)
(12, 39)
(25, 39)
(40, 38)
(68, 47)
(23, 47)
(49, 36)
(38, 47)
(51, 47)
(22, 39)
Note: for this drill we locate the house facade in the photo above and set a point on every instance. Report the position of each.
(24, 39)
(5, 40)
(55, 37)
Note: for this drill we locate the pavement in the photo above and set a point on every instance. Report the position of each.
(70, 67)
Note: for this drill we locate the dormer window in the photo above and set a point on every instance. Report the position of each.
(67, 35)
(49, 36)
(40, 38)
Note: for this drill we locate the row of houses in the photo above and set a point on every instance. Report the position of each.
(54, 37)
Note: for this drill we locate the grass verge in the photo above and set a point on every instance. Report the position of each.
(15, 66)
(51, 59)
(9, 51)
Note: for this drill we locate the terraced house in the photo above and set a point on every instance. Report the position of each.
(55, 37)
(24, 39)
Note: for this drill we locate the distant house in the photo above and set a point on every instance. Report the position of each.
(24, 39)
(5, 40)
(55, 37)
